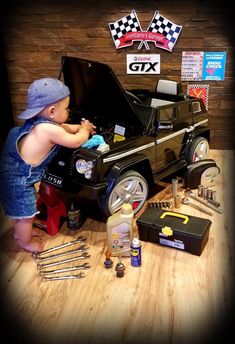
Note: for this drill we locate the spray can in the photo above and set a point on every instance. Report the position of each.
(136, 259)
(74, 216)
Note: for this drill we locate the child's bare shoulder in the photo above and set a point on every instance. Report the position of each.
(49, 126)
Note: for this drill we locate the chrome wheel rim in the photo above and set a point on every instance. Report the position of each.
(133, 190)
(201, 151)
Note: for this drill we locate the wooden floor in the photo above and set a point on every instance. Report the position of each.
(174, 297)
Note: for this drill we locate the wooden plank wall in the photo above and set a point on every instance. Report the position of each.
(37, 34)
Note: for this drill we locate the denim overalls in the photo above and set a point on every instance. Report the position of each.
(17, 179)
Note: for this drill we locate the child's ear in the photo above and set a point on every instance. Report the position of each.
(51, 111)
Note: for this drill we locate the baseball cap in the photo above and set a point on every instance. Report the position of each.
(41, 93)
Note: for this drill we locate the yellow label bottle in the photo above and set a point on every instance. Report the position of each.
(120, 231)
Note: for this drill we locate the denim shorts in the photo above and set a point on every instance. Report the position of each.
(18, 193)
(18, 198)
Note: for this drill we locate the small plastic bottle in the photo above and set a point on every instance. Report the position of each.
(119, 268)
(74, 216)
(108, 263)
(120, 231)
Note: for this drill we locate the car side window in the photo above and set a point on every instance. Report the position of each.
(196, 107)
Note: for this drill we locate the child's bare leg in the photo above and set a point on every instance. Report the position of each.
(23, 233)
(35, 233)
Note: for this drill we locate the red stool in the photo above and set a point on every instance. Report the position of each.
(52, 208)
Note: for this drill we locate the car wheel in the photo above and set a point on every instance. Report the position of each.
(130, 187)
(199, 150)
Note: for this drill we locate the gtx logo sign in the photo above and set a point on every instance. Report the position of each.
(143, 64)
(143, 67)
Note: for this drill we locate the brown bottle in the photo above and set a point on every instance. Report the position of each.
(74, 216)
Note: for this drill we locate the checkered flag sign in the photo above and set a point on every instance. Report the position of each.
(165, 27)
(121, 28)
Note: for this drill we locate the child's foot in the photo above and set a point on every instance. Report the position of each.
(32, 246)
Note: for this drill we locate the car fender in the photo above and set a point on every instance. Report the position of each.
(198, 131)
(138, 162)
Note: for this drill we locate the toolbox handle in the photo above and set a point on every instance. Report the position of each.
(186, 218)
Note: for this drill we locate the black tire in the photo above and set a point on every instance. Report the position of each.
(130, 187)
(199, 150)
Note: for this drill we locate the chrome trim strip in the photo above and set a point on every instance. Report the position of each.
(181, 131)
(202, 122)
(122, 155)
(166, 138)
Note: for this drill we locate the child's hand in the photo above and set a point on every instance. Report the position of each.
(85, 123)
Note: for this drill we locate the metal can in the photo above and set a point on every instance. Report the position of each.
(136, 259)
(213, 195)
(209, 194)
(177, 201)
(200, 191)
(174, 187)
(205, 189)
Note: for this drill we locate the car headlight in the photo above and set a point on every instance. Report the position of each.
(87, 174)
(84, 167)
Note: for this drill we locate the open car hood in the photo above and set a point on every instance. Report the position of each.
(96, 92)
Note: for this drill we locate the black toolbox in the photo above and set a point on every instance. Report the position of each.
(184, 232)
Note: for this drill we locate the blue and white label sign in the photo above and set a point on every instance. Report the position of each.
(214, 66)
(143, 64)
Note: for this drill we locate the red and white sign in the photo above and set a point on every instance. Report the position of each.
(161, 31)
(199, 91)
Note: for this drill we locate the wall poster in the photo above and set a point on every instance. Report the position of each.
(199, 66)
(191, 68)
(214, 66)
(199, 91)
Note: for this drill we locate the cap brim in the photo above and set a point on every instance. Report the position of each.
(30, 113)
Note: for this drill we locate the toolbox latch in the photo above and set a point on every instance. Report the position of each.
(167, 231)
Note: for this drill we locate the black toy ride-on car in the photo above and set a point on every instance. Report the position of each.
(149, 135)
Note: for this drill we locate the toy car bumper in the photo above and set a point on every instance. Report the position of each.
(92, 192)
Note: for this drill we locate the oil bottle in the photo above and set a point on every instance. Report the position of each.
(74, 216)
(120, 231)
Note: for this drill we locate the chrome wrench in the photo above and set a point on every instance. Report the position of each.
(83, 256)
(209, 205)
(82, 248)
(72, 268)
(39, 254)
(80, 275)
(186, 201)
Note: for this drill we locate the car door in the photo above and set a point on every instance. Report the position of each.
(172, 128)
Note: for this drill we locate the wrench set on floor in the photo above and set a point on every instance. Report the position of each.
(47, 259)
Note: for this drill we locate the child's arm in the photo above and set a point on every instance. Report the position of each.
(57, 134)
(71, 128)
